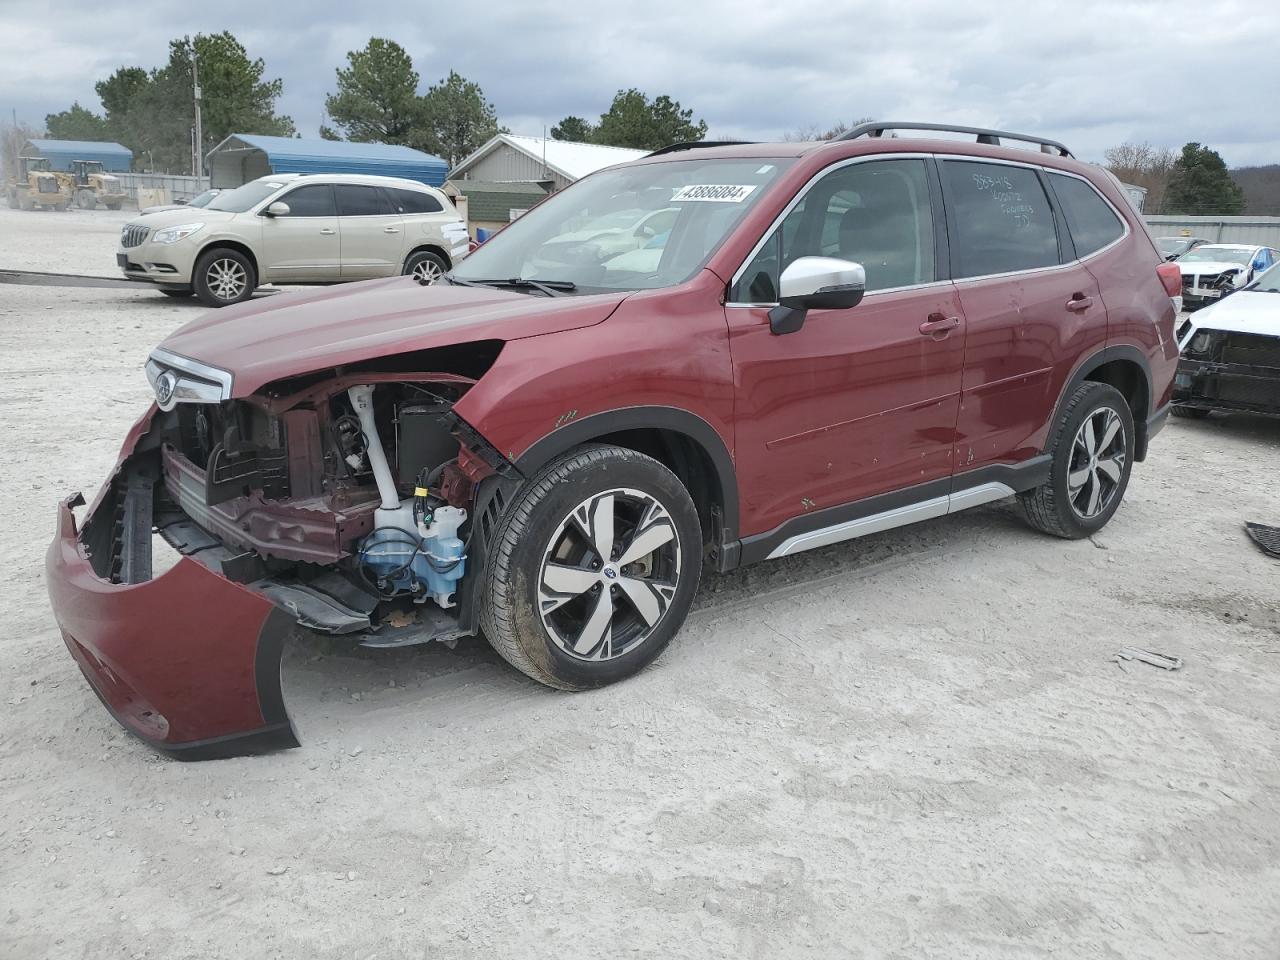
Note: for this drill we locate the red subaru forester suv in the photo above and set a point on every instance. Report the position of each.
(715, 355)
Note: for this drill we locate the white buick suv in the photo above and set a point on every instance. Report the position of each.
(295, 228)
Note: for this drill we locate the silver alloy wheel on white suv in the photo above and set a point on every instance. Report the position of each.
(427, 272)
(227, 279)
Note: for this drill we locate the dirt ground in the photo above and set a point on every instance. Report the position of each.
(913, 745)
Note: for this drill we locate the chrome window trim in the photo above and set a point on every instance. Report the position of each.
(800, 195)
(1078, 261)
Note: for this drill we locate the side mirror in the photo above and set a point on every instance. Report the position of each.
(278, 209)
(816, 283)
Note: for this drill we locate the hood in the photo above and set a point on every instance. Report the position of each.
(1244, 312)
(1209, 266)
(290, 334)
(173, 216)
(147, 211)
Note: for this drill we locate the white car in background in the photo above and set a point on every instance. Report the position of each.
(1211, 269)
(1230, 353)
(200, 200)
(295, 228)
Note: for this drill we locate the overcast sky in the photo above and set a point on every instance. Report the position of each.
(1089, 74)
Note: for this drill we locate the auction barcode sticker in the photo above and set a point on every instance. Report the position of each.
(714, 192)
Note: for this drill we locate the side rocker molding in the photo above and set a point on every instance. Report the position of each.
(673, 419)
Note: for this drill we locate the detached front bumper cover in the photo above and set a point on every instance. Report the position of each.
(189, 661)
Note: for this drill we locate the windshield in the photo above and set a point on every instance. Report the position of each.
(1268, 282)
(1240, 255)
(635, 227)
(203, 199)
(244, 198)
(1172, 244)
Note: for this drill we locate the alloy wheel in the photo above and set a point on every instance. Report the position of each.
(227, 279)
(1098, 457)
(609, 573)
(427, 272)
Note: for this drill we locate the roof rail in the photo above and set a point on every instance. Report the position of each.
(696, 145)
(878, 128)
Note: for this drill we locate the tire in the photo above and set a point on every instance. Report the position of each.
(1189, 413)
(223, 277)
(425, 267)
(1065, 506)
(85, 199)
(114, 206)
(177, 292)
(551, 632)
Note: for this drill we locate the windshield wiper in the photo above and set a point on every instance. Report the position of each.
(552, 288)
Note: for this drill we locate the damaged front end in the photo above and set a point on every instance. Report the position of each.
(343, 502)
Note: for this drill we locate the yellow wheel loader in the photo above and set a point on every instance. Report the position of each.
(93, 186)
(36, 185)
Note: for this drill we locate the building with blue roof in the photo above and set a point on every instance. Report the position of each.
(62, 153)
(246, 156)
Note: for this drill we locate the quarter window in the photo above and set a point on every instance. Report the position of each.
(357, 201)
(1091, 221)
(414, 201)
(876, 213)
(315, 200)
(1000, 219)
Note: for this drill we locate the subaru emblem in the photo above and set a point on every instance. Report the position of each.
(165, 384)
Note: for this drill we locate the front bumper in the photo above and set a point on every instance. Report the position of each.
(190, 661)
(1214, 385)
(166, 263)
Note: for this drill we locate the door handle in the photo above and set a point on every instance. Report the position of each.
(1079, 304)
(938, 326)
(390, 229)
(327, 232)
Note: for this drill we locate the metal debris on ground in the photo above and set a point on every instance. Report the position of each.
(1161, 660)
(1268, 538)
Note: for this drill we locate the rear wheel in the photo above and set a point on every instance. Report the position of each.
(1092, 451)
(1189, 413)
(223, 277)
(425, 267)
(593, 569)
(85, 199)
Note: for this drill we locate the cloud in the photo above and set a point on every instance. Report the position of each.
(1091, 74)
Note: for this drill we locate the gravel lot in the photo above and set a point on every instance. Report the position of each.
(912, 745)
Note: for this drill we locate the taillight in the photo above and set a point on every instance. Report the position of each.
(1171, 276)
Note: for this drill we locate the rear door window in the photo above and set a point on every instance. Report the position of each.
(412, 201)
(999, 219)
(315, 200)
(1092, 222)
(359, 201)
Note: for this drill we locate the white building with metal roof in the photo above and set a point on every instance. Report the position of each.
(555, 163)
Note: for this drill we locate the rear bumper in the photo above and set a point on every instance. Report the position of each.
(189, 662)
(1241, 387)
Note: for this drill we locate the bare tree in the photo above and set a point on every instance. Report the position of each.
(1143, 165)
(815, 131)
(12, 137)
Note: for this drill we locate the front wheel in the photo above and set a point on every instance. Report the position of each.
(425, 267)
(593, 568)
(223, 277)
(1092, 451)
(85, 199)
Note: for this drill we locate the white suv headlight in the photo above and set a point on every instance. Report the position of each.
(174, 234)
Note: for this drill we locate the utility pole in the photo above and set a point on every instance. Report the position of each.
(198, 152)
